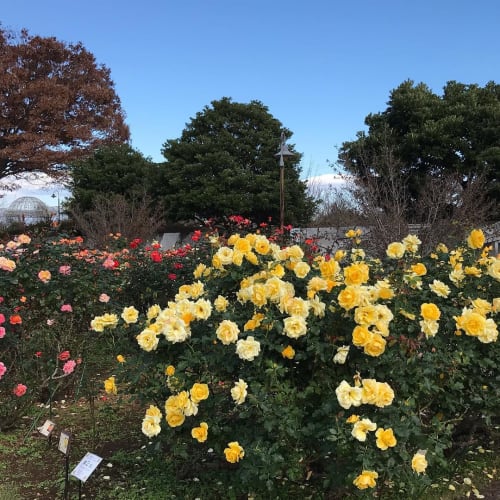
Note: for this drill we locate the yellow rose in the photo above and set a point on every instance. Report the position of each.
(349, 297)
(411, 243)
(120, 358)
(362, 427)
(385, 438)
(366, 315)
(97, 324)
(419, 269)
(356, 274)
(248, 349)
(439, 288)
(130, 315)
(476, 239)
(234, 452)
(375, 346)
(175, 418)
(200, 433)
(295, 326)
(329, 268)
(384, 394)
(153, 311)
(110, 386)
(239, 391)
(150, 427)
(429, 327)
(154, 413)
(295, 253)
(199, 392)
(430, 311)
(341, 354)
(395, 250)
(288, 352)
(202, 309)
(242, 245)
(221, 303)
(418, 462)
(302, 269)
(252, 258)
(199, 270)
(347, 395)
(261, 245)
(494, 269)
(361, 336)
(366, 480)
(170, 371)
(147, 340)
(472, 323)
(227, 332)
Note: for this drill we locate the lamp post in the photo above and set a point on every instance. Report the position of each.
(58, 207)
(282, 154)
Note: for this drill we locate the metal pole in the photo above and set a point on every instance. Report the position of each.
(282, 193)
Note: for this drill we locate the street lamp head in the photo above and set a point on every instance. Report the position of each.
(283, 152)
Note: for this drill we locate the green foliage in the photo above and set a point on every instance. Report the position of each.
(432, 135)
(117, 169)
(224, 163)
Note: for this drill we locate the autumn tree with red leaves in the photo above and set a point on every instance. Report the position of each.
(56, 105)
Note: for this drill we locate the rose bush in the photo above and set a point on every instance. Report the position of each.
(319, 372)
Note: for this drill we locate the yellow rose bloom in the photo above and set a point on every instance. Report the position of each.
(429, 327)
(120, 358)
(476, 239)
(175, 418)
(440, 288)
(419, 462)
(356, 274)
(169, 371)
(352, 419)
(221, 303)
(341, 354)
(248, 349)
(150, 427)
(202, 309)
(329, 268)
(242, 245)
(361, 336)
(419, 269)
(481, 306)
(366, 315)
(294, 326)
(384, 394)
(252, 258)
(110, 386)
(97, 324)
(130, 315)
(385, 438)
(362, 427)
(199, 271)
(395, 250)
(490, 332)
(147, 340)
(494, 269)
(261, 245)
(375, 346)
(384, 290)
(349, 297)
(366, 480)
(302, 269)
(234, 452)
(199, 392)
(153, 311)
(347, 395)
(472, 323)
(200, 433)
(288, 352)
(154, 413)
(411, 243)
(294, 253)
(239, 391)
(430, 311)
(227, 332)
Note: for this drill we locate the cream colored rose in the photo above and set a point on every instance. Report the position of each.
(395, 250)
(147, 340)
(295, 326)
(239, 391)
(248, 349)
(130, 315)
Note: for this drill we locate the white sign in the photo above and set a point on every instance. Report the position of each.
(86, 466)
(64, 442)
(47, 428)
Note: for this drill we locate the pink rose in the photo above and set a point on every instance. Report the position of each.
(104, 298)
(66, 270)
(64, 356)
(3, 369)
(69, 366)
(50, 322)
(2, 332)
(19, 390)
(109, 263)
(66, 308)
(2, 318)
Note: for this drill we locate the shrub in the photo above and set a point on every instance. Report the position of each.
(273, 371)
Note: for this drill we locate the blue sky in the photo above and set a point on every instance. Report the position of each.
(320, 66)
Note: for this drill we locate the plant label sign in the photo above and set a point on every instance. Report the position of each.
(64, 439)
(86, 466)
(47, 428)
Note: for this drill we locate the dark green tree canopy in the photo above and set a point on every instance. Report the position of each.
(457, 132)
(111, 170)
(224, 164)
